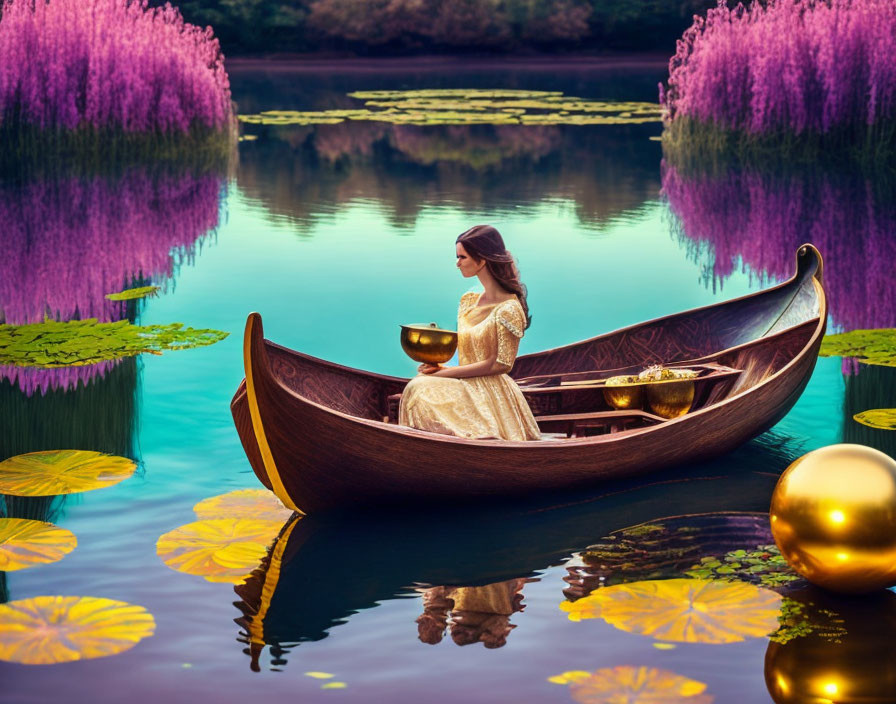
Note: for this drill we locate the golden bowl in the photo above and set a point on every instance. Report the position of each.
(428, 343)
(623, 392)
(672, 398)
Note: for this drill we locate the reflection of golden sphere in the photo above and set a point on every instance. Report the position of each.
(856, 666)
(833, 515)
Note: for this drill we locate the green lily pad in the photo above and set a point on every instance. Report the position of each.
(867, 346)
(880, 418)
(79, 342)
(130, 294)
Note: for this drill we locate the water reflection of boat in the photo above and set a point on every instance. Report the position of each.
(857, 666)
(322, 435)
(322, 569)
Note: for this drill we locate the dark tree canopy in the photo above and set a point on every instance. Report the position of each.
(382, 27)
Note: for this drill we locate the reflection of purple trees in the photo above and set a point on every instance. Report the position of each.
(760, 219)
(70, 241)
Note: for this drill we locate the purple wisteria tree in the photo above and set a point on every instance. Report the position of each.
(786, 78)
(101, 75)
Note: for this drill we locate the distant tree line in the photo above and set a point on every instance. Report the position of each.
(415, 26)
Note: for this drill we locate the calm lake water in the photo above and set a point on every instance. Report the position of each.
(338, 233)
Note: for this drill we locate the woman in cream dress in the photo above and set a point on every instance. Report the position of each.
(477, 399)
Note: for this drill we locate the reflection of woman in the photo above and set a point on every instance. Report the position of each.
(477, 399)
(478, 614)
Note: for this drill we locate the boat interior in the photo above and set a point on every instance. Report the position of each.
(565, 405)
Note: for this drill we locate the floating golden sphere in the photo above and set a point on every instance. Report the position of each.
(428, 343)
(853, 665)
(833, 516)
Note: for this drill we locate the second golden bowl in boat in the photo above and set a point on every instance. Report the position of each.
(670, 399)
(426, 342)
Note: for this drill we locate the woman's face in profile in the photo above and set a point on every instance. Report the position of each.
(467, 265)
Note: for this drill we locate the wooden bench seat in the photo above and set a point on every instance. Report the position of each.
(577, 424)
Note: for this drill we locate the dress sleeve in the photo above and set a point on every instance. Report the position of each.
(510, 323)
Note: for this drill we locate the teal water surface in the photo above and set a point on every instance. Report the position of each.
(336, 234)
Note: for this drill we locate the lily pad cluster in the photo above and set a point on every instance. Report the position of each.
(469, 107)
(764, 564)
(81, 342)
(867, 346)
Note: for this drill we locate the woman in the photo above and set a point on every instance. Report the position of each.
(476, 399)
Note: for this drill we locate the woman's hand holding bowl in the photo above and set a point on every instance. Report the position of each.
(426, 368)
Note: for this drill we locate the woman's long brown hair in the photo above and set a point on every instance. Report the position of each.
(485, 242)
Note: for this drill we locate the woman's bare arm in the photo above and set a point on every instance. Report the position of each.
(486, 367)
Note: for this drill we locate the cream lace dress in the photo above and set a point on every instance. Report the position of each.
(481, 406)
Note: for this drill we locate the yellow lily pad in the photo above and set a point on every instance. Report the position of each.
(25, 543)
(633, 685)
(50, 629)
(218, 549)
(684, 610)
(319, 675)
(334, 685)
(55, 472)
(243, 503)
(880, 418)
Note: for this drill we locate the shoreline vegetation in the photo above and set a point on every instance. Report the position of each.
(110, 79)
(329, 62)
(785, 81)
(413, 27)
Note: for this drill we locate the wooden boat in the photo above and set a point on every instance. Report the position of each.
(323, 436)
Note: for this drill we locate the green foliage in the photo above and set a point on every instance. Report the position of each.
(132, 293)
(469, 107)
(867, 346)
(799, 620)
(693, 144)
(80, 342)
(102, 149)
(764, 565)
